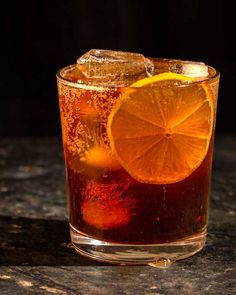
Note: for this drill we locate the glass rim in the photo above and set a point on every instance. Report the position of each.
(106, 85)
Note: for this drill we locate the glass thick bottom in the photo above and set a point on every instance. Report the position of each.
(157, 255)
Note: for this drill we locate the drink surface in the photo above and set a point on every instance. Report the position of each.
(105, 201)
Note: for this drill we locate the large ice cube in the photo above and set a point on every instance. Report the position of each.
(114, 67)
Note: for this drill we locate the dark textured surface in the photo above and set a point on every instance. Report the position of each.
(36, 256)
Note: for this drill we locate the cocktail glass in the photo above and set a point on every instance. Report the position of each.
(138, 139)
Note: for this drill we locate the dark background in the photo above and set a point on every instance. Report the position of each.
(40, 37)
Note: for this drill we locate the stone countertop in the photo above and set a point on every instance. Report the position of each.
(36, 254)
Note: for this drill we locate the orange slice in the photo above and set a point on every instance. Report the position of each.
(108, 205)
(161, 128)
(100, 158)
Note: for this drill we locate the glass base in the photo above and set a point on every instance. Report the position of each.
(157, 255)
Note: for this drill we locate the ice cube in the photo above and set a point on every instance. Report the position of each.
(195, 69)
(191, 69)
(114, 67)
